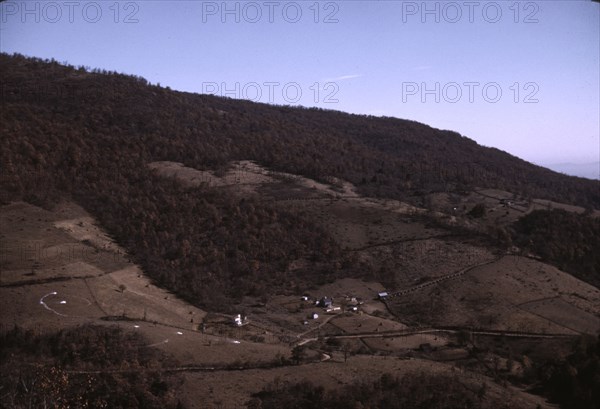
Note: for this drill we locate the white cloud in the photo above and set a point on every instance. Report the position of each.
(343, 77)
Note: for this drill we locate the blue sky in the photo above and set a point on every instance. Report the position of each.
(519, 76)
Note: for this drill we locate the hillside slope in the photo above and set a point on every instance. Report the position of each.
(76, 123)
(91, 137)
(239, 208)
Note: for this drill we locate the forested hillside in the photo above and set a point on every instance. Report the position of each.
(570, 241)
(89, 136)
(65, 118)
(79, 368)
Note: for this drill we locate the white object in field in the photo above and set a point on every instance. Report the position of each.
(238, 320)
(46, 305)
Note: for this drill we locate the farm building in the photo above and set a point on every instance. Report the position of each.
(325, 302)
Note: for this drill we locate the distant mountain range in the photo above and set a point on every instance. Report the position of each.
(585, 170)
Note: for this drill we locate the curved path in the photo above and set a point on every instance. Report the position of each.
(442, 278)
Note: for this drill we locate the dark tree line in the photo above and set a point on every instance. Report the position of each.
(37, 370)
(411, 391)
(566, 239)
(572, 381)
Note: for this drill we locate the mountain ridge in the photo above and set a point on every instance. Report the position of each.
(384, 157)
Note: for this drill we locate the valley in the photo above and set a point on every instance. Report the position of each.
(166, 249)
(61, 270)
